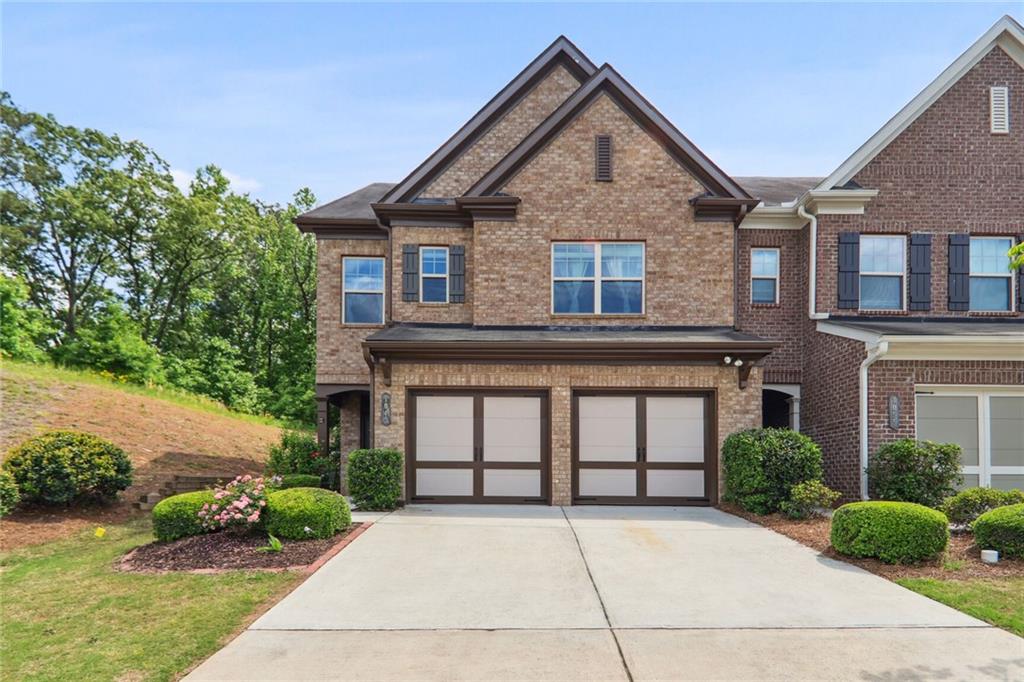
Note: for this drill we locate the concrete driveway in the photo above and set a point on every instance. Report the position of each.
(602, 593)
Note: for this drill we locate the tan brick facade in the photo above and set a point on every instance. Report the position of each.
(737, 409)
(451, 313)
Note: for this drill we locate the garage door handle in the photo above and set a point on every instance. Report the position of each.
(641, 454)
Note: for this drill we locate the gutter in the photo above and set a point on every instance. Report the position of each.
(812, 265)
(875, 353)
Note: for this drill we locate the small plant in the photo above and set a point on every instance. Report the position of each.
(273, 545)
(1002, 529)
(62, 467)
(895, 532)
(237, 506)
(297, 453)
(761, 466)
(375, 478)
(807, 498)
(9, 495)
(306, 513)
(178, 516)
(967, 505)
(908, 470)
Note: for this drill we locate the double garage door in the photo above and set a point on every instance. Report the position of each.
(627, 448)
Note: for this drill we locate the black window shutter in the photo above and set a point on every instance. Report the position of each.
(410, 272)
(603, 158)
(920, 271)
(959, 272)
(849, 269)
(457, 274)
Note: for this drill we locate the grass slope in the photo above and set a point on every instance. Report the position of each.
(999, 602)
(68, 615)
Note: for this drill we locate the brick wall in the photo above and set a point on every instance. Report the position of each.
(504, 135)
(737, 409)
(452, 313)
(689, 271)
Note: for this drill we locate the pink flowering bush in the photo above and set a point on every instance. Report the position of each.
(238, 506)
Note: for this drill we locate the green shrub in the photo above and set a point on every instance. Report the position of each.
(178, 516)
(61, 467)
(761, 466)
(306, 513)
(375, 478)
(967, 505)
(9, 495)
(895, 532)
(807, 497)
(298, 481)
(297, 453)
(1001, 529)
(908, 470)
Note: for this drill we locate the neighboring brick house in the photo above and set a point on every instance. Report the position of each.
(569, 303)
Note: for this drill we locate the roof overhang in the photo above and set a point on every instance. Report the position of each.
(934, 346)
(818, 201)
(721, 209)
(341, 228)
(460, 212)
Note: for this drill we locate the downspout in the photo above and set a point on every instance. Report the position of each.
(812, 265)
(875, 353)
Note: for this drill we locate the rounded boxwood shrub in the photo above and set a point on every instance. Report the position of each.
(9, 495)
(306, 513)
(1001, 529)
(761, 466)
(298, 481)
(178, 516)
(375, 478)
(967, 505)
(909, 470)
(61, 467)
(895, 532)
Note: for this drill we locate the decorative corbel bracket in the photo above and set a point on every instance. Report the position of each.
(744, 373)
(385, 370)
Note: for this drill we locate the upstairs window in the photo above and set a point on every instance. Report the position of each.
(434, 274)
(362, 290)
(764, 275)
(991, 283)
(597, 278)
(999, 107)
(883, 264)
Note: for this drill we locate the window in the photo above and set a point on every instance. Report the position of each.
(580, 287)
(764, 275)
(434, 274)
(999, 109)
(883, 261)
(987, 424)
(991, 283)
(362, 290)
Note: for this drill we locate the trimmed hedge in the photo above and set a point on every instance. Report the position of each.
(761, 466)
(375, 478)
(895, 532)
(298, 481)
(967, 505)
(9, 495)
(909, 470)
(1002, 529)
(61, 467)
(306, 513)
(178, 516)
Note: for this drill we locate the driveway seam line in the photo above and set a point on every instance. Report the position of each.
(600, 599)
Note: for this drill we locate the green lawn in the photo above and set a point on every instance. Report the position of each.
(68, 615)
(999, 602)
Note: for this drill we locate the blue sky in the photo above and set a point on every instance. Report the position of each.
(333, 96)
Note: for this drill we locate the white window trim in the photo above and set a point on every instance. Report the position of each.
(902, 274)
(984, 394)
(447, 272)
(381, 291)
(1009, 274)
(778, 268)
(597, 279)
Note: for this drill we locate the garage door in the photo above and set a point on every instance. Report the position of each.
(644, 448)
(471, 446)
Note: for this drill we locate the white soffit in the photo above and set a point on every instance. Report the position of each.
(937, 347)
(1005, 33)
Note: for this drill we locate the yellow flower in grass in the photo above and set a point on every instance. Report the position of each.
(100, 531)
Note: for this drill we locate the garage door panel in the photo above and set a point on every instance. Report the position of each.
(512, 429)
(444, 482)
(444, 428)
(675, 483)
(607, 482)
(675, 429)
(512, 482)
(607, 429)
(1007, 431)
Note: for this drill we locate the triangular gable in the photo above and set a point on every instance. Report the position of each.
(560, 53)
(1005, 33)
(608, 81)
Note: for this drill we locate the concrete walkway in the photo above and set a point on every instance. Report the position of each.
(602, 593)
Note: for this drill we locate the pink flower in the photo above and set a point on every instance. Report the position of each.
(202, 513)
(246, 478)
(263, 503)
(214, 507)
(219, 494)
(254, 517)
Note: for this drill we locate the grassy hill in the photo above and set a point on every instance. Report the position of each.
(164, 432)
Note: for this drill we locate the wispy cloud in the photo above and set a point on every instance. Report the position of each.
(239, 184)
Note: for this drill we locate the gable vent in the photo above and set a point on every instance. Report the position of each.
(999, 100)
(603, 158)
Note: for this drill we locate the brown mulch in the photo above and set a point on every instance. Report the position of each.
(226, 551)
(962, 560)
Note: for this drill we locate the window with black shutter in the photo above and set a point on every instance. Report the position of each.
(457, 274)
(849, 269)
(410, 272)
(959, 271)
(603, 158)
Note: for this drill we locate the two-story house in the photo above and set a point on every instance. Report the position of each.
(568, 302)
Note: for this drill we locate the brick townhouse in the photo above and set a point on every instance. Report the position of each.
(569, 303)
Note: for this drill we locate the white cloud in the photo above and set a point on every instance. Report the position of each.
(239, 184)
(181, 179)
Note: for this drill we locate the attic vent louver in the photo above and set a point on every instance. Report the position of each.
(999, 100)
(603, 158)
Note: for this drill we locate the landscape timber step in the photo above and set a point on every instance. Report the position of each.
(180, 484)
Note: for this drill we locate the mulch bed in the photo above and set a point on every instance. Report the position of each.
(962, 560)
(227, 551)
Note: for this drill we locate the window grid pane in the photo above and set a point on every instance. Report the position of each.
(991, 294)
(990, 256)
(579, 286)
(363, 274)
(764, 263)
(622, 261)
(574, 261)
(435, 261)
(881, 292)
(882, 255)
(763, 290)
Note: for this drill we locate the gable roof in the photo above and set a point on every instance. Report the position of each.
(353, 206)
(774, 191)
(608, 81)
(1005, 33)
(562, 52)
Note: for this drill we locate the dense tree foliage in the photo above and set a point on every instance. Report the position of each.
(106, 264)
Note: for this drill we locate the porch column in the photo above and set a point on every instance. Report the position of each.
(794, 412)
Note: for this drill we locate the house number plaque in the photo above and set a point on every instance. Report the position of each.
(385, 409)
(894, 412)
